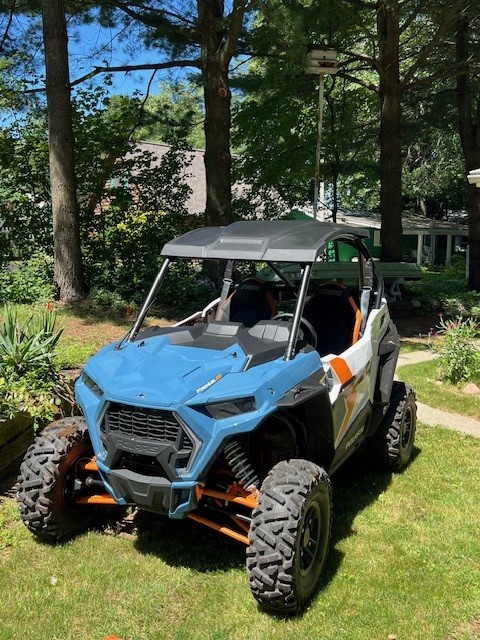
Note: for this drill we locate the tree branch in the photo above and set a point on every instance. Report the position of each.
(7, 28)
(362, 83)
(428, 48)
(138, 67)
(453, 68)
(361, 4)
(413, 15)
(354, 15)
(127, 68)
(160, 20)
(240, 7)
(176, 16)
(370, 60)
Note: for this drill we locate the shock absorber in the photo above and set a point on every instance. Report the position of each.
(241, 467)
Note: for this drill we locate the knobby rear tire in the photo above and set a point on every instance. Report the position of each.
(392, 443)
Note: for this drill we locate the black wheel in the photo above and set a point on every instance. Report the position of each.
(289, 536)
(47, 481)
(394, 438)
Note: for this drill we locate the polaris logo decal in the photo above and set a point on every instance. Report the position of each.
(354, 439)
(208, 384)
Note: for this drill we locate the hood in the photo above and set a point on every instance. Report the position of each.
(155, 372)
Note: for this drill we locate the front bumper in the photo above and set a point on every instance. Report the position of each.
(152, 493)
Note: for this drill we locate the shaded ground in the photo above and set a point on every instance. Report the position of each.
(81, 329)
(85, 328)
(89, 328)
(414, 327)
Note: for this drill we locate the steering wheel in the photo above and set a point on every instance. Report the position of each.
(311, 336)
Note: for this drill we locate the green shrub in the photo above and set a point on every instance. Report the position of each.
(122, 266)
(30, 377)
(38, 398)
(108, 301)
(28, 346)
(467, 305)
(27, 282)
(457, 267)
(441, 291)
(458, 346)
(185, 288)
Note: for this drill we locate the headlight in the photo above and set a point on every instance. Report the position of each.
(229, 408)
(91, 384)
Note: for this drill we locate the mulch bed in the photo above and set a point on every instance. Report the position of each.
(411, 323)
(414, 326)
(8, 486)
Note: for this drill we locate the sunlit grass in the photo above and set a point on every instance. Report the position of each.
(405, 560)
(409, 346)
(86, 328)
(425, 380)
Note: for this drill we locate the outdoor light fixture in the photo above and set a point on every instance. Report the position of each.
(321, 62)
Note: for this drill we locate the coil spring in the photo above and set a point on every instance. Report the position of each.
(240, 465)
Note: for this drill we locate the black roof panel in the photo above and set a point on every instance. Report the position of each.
(269, 240)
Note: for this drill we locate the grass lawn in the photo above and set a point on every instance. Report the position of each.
(86, 329)
(405, 560)
(423, 377)
(408, 346)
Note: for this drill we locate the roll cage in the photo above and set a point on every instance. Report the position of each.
(293, 251)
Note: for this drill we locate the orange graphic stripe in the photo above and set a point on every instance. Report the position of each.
(101, 498)
(342, 370)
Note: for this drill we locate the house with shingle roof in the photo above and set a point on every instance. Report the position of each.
(193, 174)
(424, 239)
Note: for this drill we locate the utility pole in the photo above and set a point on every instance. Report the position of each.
(321, 62)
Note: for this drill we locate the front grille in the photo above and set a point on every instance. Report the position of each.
(148, 424)
(153, 425)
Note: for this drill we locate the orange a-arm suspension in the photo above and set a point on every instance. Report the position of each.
(231, 533)
(98, 498)
(236, 495)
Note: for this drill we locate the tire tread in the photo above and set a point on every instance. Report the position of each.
(275, 525)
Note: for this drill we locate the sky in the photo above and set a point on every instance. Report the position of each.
(92, 45)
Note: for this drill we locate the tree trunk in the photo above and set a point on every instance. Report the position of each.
(217, 113)
(68, 269)
(390, 132)
(469, 129)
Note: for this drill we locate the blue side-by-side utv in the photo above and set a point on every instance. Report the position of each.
(237, 416)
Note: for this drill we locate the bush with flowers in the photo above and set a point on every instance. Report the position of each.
(458, 346)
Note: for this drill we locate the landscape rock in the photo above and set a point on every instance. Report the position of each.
(471, 389)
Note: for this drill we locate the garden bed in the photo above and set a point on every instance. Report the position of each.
(16, 435)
